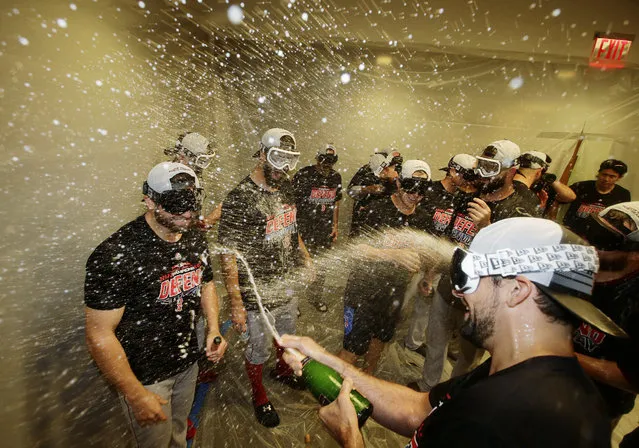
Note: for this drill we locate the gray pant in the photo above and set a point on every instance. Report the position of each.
(260, 341)
(419, 317)
(443, 319)
(179, 391)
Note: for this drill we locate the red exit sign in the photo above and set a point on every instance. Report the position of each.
(610, 50)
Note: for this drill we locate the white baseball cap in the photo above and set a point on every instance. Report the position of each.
(504, 151)
(534, 160)
(630, 209)
(193, 142)
(159, 178)
(409, 167)
(278, 138)
(538, 243)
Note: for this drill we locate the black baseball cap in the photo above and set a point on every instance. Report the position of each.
(613, 164)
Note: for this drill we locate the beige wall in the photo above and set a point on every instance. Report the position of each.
(75, 153)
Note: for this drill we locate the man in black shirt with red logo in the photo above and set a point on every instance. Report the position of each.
(144, 288)
(440, 201)
(371, 308)
(523, 282)
(318, 192)
(595, 195)
(373, 181)
(259, 222)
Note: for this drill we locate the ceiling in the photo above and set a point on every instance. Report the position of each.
(533, 30)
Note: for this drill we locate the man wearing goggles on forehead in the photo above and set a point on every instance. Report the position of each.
(497, 167)
(532, 176)
(145, 287)
(592, 196)
(373, 181)
(192, 150)
(318, 193)
(524, 281)
(259, 220)
(196, 152)
(371, 309)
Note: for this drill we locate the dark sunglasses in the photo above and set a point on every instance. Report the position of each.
(414, 185)
(177, 202)
(327, 159)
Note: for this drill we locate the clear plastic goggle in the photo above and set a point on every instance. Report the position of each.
(280, 158)
(200, 160)
(487, 167)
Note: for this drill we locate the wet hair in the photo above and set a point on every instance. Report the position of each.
(553, 311)
(613, 164)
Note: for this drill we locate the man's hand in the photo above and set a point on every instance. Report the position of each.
(214, 216)
(374, 189)
(215, 352)
(304, 345)
(238, 317)
(147, 407)
(543, 198)
(425, 286)
(479, 212)
(340, 418)
(333, 235)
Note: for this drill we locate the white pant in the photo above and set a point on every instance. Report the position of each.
(179, 391)
(260, 343)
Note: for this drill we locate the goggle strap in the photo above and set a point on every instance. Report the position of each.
(559, 257)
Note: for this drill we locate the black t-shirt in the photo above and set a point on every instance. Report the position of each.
(364, 177)
(383, 213)
(158, 283)
(315, 197)
(380, 214)
(262, 226)
(530, 196)
(513, 206)
(546, 401)
(618, 300)
(589, 201)
(436, 210)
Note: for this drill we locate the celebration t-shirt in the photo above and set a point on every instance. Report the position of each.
(589, 201)
(262, 226)
(158, 283)
(315, 197)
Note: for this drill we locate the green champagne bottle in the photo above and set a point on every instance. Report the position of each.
(325, 384)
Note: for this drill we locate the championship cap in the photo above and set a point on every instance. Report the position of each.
(534, 160)
(162, 177)
(463, 161)
(410, 167)
(504, 151)
(559, 262)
